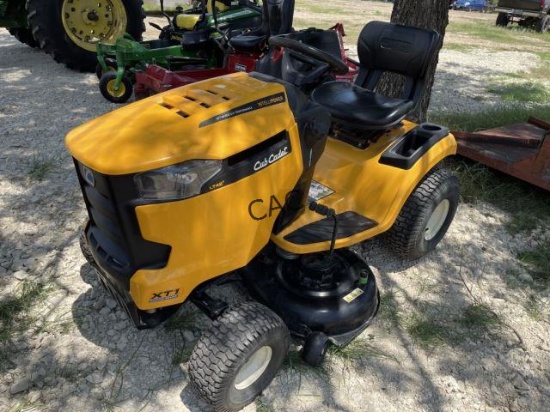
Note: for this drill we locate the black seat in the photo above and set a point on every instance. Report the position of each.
(382, 47)
(277, 17)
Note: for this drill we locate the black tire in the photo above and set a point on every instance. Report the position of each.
(24, 36)
(315, 348)
(543, 24)
(106, 87)
(241, 336)
(111, 67)
(502, 19)
(46, 20)
(414, 234)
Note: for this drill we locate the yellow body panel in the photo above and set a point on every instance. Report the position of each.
(363, 185)
(213, 233)
(187, 21)
(151, 134)
(224, 229)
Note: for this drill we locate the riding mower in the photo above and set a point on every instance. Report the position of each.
(246, 178)
(193, 38)
(249, 51)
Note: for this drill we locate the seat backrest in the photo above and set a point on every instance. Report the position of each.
(280, 15)
(388, 47)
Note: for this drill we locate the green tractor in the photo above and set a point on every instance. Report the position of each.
(69, 29)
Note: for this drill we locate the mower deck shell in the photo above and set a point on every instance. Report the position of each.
(521, 150)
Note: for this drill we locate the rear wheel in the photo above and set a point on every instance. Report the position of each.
(426, 215)
(24, 36)
(69, 30)
(502, 19)
(239, 356)
(543, 24)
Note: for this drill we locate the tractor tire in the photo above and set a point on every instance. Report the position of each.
(426, 215)
(24, 36)
(502, 19)
(70, 30)
(107, 88)
(239, 356)
(543, 24)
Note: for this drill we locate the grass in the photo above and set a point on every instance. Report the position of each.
(262, 406)
(537, 261)
(182, 356)
(358, 350)
(502, 38)
(40, 166)
(14, 315)
(425, 331)
(388, 313)
(521, 92)
(180, 322)
(478, 316)
(528, 206)
(470, 122)
(535, 308)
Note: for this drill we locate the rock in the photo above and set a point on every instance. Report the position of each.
(99, 303)
(110, 303)
(525, 277)
(95, 378)
(20, 386)
(189, 336)
(520, 384)
(34, 396)
(121, 325)
(104, 311)
(20, 275)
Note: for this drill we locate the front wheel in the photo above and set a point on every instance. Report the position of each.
(239, 356)
(426, 215)
(315, 348)
(111, 67)
(109, 90)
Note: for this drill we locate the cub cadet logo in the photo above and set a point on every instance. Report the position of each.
(166, 295)
(273, 157)
(258, 209)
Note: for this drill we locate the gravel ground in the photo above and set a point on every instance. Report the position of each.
(81, 353)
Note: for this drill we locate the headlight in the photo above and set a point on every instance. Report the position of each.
(178, 181)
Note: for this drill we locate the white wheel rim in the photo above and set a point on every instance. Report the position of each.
(437, 219)
(251, 371)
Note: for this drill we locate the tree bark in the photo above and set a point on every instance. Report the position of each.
(427, 14)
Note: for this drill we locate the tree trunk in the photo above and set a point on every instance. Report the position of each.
(427, 14)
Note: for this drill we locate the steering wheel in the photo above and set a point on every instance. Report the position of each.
(285, 41)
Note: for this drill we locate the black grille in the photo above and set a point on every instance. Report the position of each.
(113, 234)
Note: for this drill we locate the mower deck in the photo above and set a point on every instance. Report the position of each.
(521, 150)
